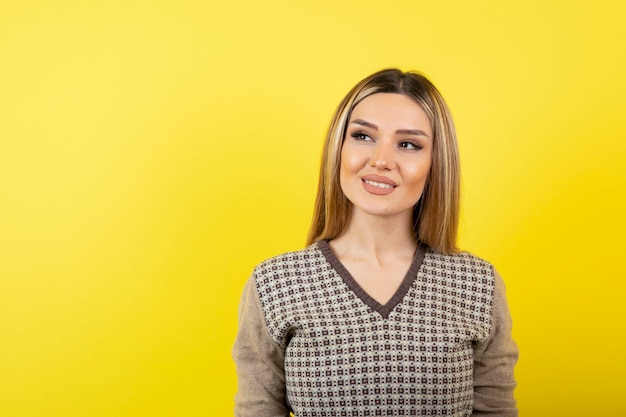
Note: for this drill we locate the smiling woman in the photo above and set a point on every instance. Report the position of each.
(381, 314)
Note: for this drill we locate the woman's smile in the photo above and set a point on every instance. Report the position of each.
(378, 185)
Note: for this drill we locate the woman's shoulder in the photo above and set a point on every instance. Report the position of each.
(302, 274)
(308, 253)
(462, 261)
(303, 258)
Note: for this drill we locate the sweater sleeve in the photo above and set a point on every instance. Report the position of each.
(259, 362)
(494, 361)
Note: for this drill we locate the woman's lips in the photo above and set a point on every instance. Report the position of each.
(378, 185)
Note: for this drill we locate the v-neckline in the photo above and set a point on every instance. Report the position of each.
(383, 309)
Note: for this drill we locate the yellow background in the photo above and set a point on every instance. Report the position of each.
(152, 152)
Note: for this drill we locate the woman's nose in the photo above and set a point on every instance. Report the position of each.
(382, 156)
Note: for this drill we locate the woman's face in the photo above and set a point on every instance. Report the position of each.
(386, 155)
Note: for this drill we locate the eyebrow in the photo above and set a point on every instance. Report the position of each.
(416, 132)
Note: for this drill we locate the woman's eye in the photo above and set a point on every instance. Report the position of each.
(361, 136)
(410, 145)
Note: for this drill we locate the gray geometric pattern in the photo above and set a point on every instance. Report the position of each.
(345, 358)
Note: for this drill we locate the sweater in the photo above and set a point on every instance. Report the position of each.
(312, 342)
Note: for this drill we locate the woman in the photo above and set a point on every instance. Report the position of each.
(381, 315)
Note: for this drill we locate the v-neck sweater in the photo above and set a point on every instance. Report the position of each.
(313, 342)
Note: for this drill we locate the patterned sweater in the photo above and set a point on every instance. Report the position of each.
(311, 341)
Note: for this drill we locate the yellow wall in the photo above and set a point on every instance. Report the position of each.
(151, 153)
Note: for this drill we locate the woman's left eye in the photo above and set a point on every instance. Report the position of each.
(410, 145)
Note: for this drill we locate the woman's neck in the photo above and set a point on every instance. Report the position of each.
(376, 237)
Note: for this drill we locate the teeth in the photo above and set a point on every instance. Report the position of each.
(379, 184)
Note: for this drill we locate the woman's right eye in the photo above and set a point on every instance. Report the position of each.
(361, 136)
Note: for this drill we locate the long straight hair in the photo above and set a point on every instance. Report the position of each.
(436, 215)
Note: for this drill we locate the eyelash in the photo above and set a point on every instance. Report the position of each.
(408, 145)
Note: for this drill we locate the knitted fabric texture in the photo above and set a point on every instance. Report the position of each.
(346, 356)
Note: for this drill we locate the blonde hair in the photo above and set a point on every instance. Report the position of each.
(436, 215)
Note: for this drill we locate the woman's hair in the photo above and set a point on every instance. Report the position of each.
(436, 215)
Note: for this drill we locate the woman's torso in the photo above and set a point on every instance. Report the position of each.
(346, 354)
